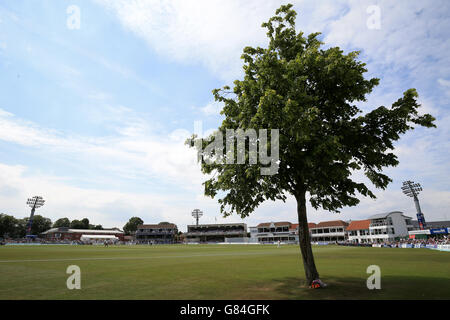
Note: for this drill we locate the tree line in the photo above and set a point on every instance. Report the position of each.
(16, 228)
(13, 227)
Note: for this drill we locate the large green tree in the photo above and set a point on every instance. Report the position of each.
(16, 228)
(132, 224)
(309, 94)
(8, 225)
(80, 224)
(77, 224)
(85, 222)
(21, 228)
(40, 224)
(62, 222)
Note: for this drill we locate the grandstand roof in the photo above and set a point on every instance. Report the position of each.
(295, 226)
(218, 225)
(157, 226)
(383, 215)
(334, 223)
(276, 224)
(359, 225)
(66, 230)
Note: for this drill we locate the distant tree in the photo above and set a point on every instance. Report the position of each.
(40, 224)
(62, 222)
(131, 225)
(76, 224)
(98, 227)
(80, 224)
(178, 237)
(309, 94)
(21, 228)
(85, 223)
(7, 225)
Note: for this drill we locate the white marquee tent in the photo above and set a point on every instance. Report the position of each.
(98, 237)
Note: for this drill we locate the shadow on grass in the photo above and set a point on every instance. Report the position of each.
(392, 287)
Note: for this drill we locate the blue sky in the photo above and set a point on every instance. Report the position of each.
(94, 118)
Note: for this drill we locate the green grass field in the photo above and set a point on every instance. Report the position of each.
(219, 272)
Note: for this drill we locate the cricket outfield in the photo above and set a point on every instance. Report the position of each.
(219, 272)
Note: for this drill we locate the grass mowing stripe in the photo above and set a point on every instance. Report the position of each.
(155, 257)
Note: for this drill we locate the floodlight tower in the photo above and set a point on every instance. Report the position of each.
(412, 189)
(197, 214)
(33, 203)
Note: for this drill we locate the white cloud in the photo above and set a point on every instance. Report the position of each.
(211, 109)
(134, 152)
(410, 41)
(212, 33)
(444, 83)
(141, 156)
(109, 208)
(209, 32)
(26, 133)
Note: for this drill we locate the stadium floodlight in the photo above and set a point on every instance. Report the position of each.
(412, 189)
(197, 214)
(33, 203)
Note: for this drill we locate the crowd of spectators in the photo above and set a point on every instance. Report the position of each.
(38, 241)
(429, 241)
(437, 240)
(46, 242)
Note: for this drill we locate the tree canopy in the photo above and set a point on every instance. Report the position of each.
(132, 224)
(310, 94)
(40, 224)
(80, 224)
(62, 222)
(8, 225)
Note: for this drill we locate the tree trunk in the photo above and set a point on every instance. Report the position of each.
(304, 240)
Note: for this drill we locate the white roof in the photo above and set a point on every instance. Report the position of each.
(82, 231)
(384, 215)
(96, 236)
(93, 231)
